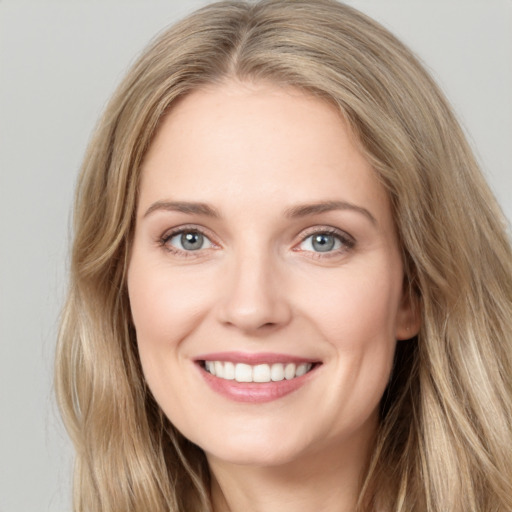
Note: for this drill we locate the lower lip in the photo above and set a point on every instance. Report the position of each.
(255, 392)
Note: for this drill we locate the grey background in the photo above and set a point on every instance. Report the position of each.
(59, 62)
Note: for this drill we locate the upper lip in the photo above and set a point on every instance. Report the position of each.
(254, 358)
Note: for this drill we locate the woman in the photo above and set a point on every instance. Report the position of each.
(291, 286)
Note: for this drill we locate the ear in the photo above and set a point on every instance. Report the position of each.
(408, 319)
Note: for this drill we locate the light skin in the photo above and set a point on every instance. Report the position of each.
(295, 254)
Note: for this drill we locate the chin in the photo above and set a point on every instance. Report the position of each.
(258, 449)
(256, 457)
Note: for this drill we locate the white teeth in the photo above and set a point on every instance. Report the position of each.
(277, 372)
(229, 371)
(242, 372)
(289, 371)
(301, 369)
(219, 369)
(210, 367)
(261, 373)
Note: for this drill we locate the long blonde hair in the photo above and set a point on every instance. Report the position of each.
(445, 435)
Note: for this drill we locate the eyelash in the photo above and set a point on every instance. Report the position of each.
(347, 241)
(169, 235)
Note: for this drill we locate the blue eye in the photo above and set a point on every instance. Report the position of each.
(189, 241)
(325, 242)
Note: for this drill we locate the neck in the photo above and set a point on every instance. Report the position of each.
(328, 481)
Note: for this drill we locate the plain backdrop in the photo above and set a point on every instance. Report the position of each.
(59, 63)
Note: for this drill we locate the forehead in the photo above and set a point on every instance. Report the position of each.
(256, 142)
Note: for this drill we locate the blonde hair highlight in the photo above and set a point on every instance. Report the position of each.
(445, 438)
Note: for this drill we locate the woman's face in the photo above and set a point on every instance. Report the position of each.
(265, 279)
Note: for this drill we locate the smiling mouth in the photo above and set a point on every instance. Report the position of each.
(259, 373)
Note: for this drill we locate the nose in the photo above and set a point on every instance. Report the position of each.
(254, 298)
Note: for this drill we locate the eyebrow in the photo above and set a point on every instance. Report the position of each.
(183, 207)
(327, 206)
(303, 210)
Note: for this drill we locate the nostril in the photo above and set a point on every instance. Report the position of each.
(254, 327)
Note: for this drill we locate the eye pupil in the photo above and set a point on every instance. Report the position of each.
(192, 241)
(323, 242)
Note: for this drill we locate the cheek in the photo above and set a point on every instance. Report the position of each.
(165, 305)
(357, 320)
(355, 309)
